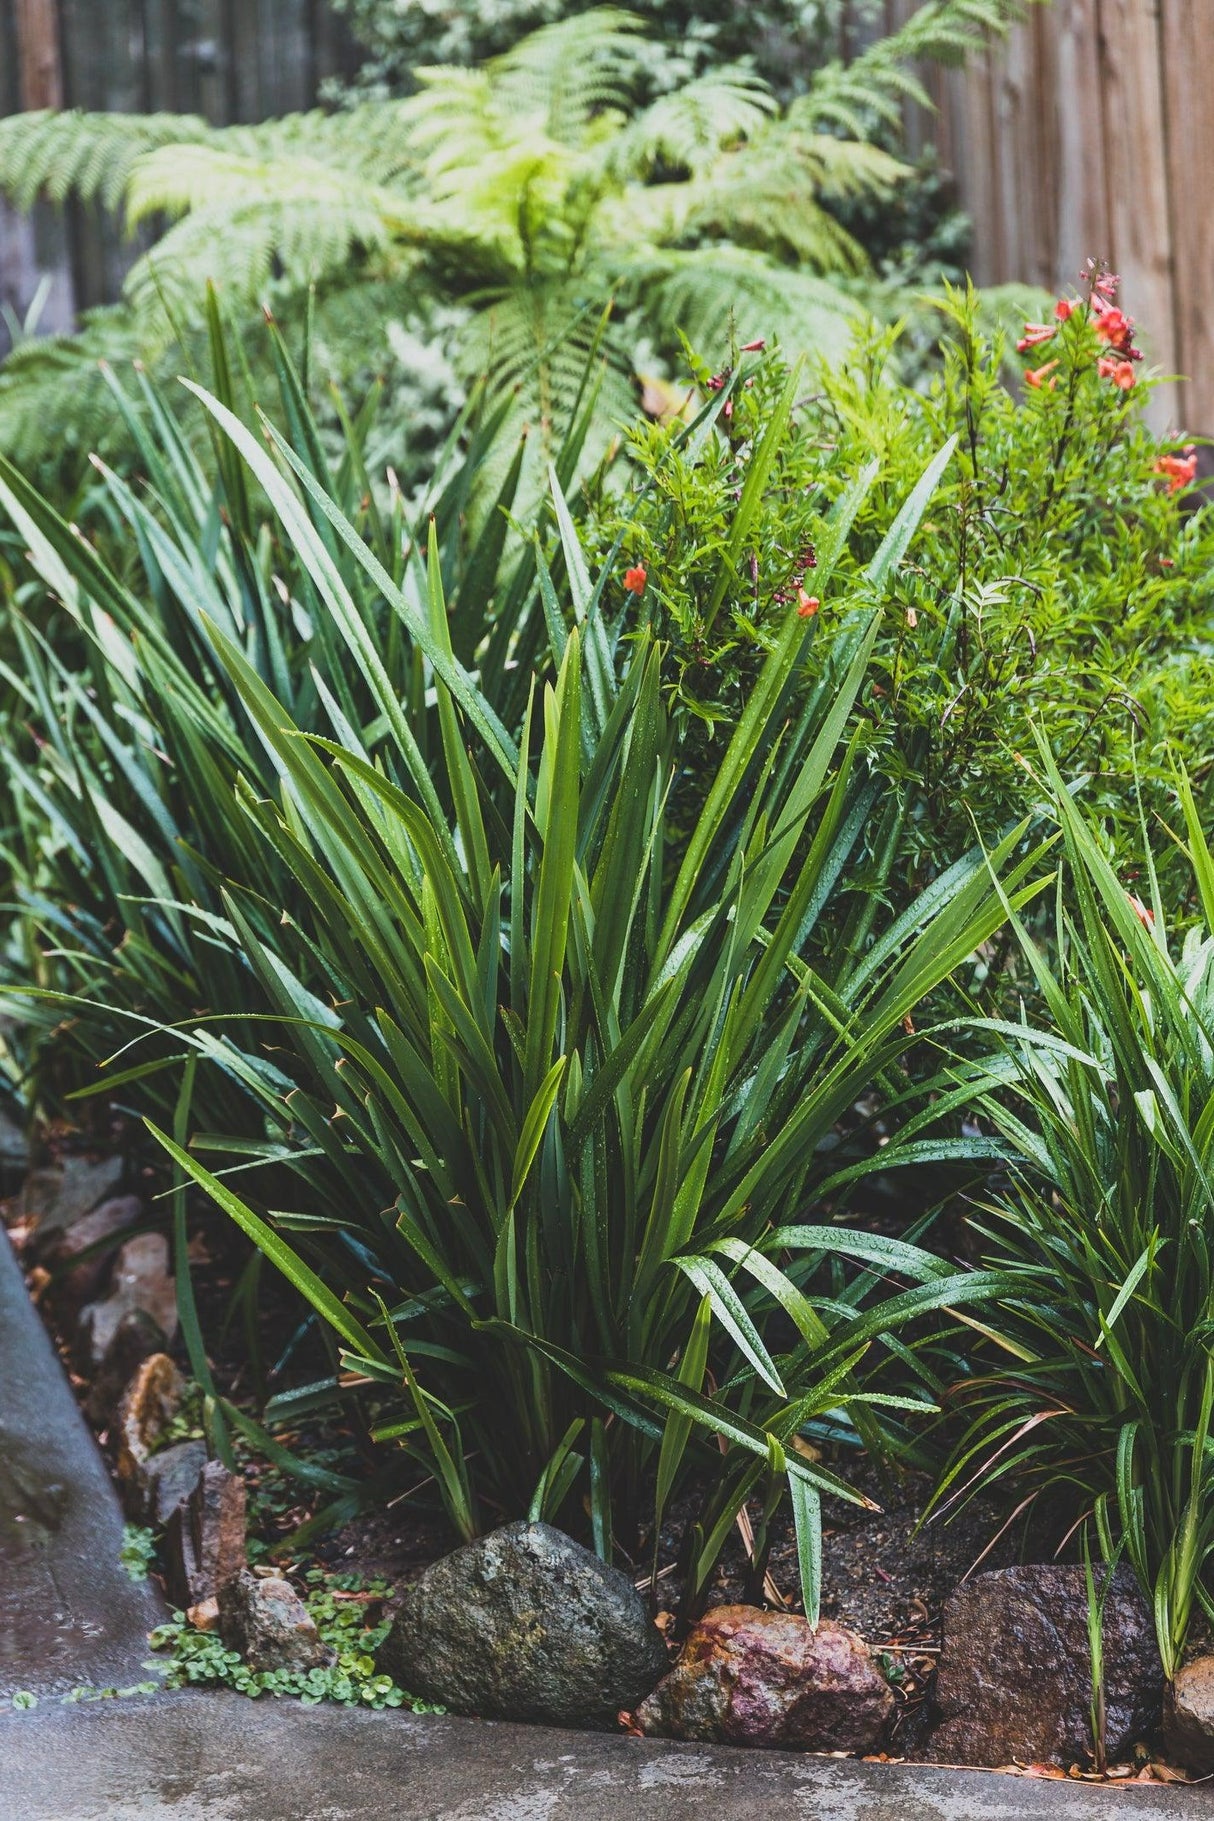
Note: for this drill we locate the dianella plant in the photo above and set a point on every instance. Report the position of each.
(553, 1121)
(1092, 1389)
(124, 735)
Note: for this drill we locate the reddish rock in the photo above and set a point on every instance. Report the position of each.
(1188, 1718)
(264, 1618)
(749, 1677)
(204, 1543)
(140, 1281)
(148, 1405)
(1015, 1680)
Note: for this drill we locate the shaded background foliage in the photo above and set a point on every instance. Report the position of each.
(812, 199)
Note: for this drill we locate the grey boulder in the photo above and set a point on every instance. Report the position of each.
(140, 1280)
(525, 1624)
(135, 1339)
(54, 1198)
(79, 1256)
(169, 1479)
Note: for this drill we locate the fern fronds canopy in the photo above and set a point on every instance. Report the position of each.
(533, 189)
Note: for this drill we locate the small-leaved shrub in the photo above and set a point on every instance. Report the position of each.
(1062, 578)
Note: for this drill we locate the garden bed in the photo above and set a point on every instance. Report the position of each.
(886, 1577)
(607, 1093)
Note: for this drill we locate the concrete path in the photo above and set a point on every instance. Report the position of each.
(69, 1613)
(211, 1757)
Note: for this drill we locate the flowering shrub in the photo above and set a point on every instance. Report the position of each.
(1062, 576)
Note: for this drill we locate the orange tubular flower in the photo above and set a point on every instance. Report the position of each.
(1121, 372)
(1039, 377)
(1179, 470)
(1112, 325)
(1063, 309)
(1034, 334)
(808, 604)
(635, 580)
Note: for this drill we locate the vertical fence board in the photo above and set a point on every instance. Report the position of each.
(1043, 148)
(1187, 45)
(1008, 111)
(992, 254)
(244, 35)
(1133, 148)
(1082, 226)
(38, 60)
(225, 59)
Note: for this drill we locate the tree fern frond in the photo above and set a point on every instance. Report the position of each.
(375, 139)
(212, 180)
(453, 117)
(849, 167)
(87, 155)
(55, 380)
(532, 344)
(687, 129)
(567, 73)
(766, 196)
(712, 294)
(788, 223)
(875, 83)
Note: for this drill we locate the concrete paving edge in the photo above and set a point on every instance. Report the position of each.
(69, 1613)
(216, 1757)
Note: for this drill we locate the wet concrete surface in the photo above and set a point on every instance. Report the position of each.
(212, 1757)
(69, 1613)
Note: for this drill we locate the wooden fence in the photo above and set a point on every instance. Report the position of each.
(1091, 133)
(230, 60)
